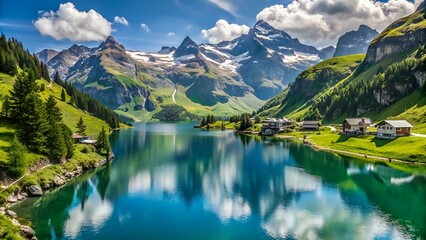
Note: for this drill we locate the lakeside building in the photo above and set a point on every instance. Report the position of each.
(272, 126)
(311, 125)
(356, 126)
(393, 128)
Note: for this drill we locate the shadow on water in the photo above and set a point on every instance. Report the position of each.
(167, 177)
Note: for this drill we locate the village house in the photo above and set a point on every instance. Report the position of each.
(393, 128)
(272, 126)
(356, 126)
(311, 125)
(83, 139)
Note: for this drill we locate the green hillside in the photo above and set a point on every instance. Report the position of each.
(403, 26)
(295, 101)
(70, 115)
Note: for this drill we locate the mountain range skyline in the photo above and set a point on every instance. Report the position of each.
(58, 25)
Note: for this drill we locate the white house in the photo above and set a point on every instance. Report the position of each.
(393, 128)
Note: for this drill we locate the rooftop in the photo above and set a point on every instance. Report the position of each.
(356, 121)
(397, 123)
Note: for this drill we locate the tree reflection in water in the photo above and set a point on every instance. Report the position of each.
(166, 176)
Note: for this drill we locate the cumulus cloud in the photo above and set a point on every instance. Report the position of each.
(321, 22)
(224, 31)
(171, 34)
(121, 20)
(145, 27)
(70, 23)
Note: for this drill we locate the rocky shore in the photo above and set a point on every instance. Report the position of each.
(20, 194)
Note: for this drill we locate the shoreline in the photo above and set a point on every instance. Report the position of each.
(361, 156)
(353, 154)
(24, 192)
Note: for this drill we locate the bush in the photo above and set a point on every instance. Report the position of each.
(85, 150)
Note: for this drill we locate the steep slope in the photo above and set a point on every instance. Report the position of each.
(226, 78)
(309, 84)
(46, 55)
(109, 75)
(355, 42)
(389, 83)
(65, 59)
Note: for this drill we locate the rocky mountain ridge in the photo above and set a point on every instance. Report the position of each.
(255, 66)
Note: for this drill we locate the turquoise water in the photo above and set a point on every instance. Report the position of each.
(170, 181)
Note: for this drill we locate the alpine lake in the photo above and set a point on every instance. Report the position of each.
(171, 181)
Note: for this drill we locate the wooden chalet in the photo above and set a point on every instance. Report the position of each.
(311, 125)
(356, 126)
(393, 128)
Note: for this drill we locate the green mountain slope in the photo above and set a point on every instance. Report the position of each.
(70, 113)
(315, 80)
(389, 83)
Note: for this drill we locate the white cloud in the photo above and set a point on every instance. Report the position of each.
(145, 27)
(225, 5)
(121, 20)
(321, 22)
(70, 23)
(171, 34)
(223, 31)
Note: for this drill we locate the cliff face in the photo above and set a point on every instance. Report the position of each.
(391, 45)
(403, 34)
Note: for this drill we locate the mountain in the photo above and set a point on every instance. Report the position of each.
(389, 83)
(65, 59)
(46, 55)
(327, 52)
(355, 42)
(225, 79)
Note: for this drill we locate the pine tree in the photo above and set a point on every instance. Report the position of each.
(17, 161)
(54, 112)
(57, 79)
(42, 87)
(81, 127)
(33, 123)
(102, 143)
(6, 106)
(56, 148)
(203, 122)
(63, 96)
(69, 142)
(25, 84)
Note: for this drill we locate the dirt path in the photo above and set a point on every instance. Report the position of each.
(19, 179)
(333, 129)
(173, 95)
(418, 135)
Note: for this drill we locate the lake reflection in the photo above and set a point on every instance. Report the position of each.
(170, 181)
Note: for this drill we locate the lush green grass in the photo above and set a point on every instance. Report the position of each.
(44, 177)
(8, 231)
(338, 65)
(218, 125)
(315, 80)
(235, 105)
(412, 22)
(71, 114)
(404, 148)
(7, 131)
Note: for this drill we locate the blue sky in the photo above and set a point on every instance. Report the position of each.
(169, 21)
